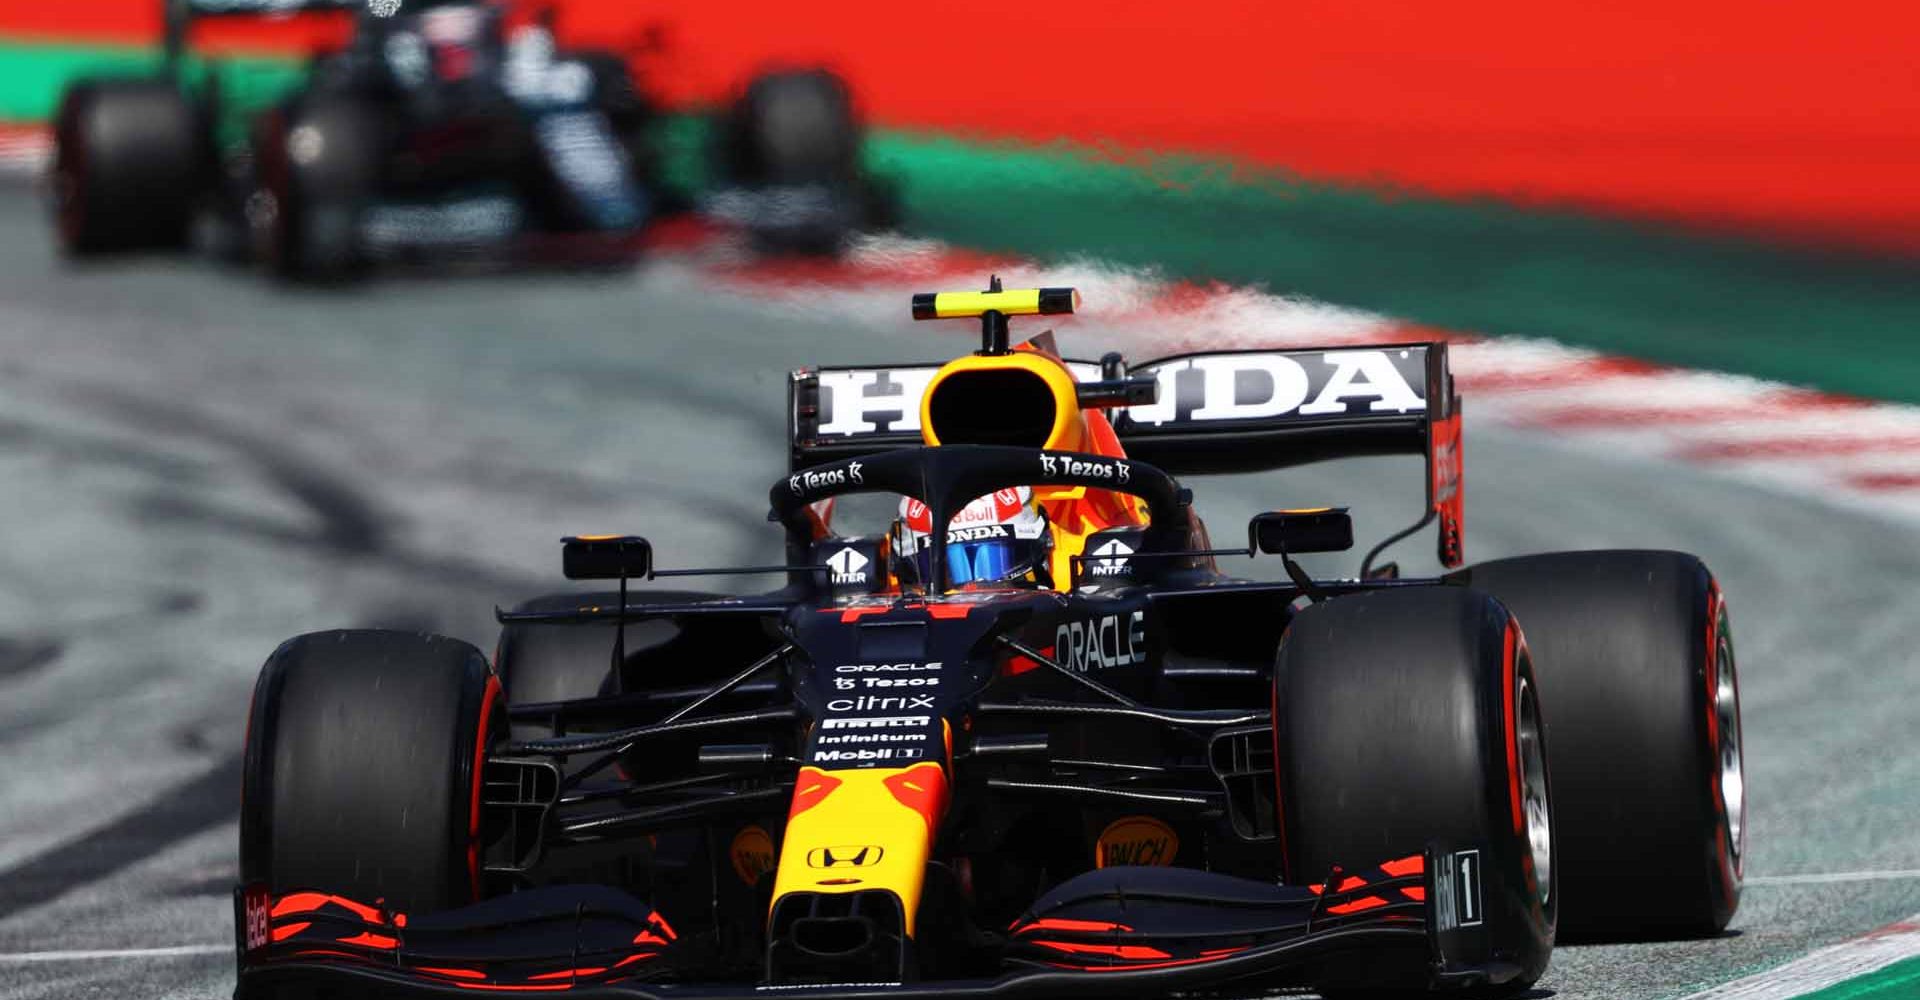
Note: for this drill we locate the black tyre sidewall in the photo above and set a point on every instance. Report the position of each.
(758, 150)
(1395, 729)
(361, 768)
(318, 203)
(128, 165)
(1628, 645)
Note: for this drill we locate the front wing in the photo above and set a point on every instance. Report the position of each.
(1130, 930)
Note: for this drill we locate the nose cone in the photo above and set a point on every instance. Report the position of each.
(858, 831)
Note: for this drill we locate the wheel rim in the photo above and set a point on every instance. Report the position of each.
(1533, 787)
(1733, 780)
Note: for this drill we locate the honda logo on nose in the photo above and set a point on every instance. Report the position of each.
(843, 857)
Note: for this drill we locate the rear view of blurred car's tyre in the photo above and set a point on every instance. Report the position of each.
(1408, 719)
(793, 128)
(793, 141)
(363, 761)
(1636, 667)
(127, 166)
(318, 164)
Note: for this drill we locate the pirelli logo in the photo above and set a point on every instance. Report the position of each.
(864, 856)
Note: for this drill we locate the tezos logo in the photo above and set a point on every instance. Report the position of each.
(1066, 465)
(812, 479)
(848, 566)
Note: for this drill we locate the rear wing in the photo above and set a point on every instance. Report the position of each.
(1215, 412)
(179, 15)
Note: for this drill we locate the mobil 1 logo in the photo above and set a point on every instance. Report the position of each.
(1457, 900)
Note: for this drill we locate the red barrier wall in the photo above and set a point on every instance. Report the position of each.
(1764, 114)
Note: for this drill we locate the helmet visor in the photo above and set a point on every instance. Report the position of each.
(989, 561)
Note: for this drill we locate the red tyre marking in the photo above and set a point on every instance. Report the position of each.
(1279, 800)
(479, 767)
(1512, 645)
(1723, 852)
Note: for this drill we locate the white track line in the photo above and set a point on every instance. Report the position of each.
(24, 151)
(1836, 964)
(176, 951)
(1828, 878)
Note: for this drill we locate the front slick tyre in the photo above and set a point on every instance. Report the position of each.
(1405, 719)
(364, 753)
(1636, 660)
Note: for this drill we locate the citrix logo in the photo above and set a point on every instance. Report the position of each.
(881, 703)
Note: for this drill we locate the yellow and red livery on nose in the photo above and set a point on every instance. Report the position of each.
(862, 829)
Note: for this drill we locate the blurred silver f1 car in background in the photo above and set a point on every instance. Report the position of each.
(442, 128)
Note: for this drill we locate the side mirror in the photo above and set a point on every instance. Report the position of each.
(1290, 532)
(606, 557)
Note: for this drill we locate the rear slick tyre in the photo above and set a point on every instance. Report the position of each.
(1409, 718)
(362, 768)
(126, 166)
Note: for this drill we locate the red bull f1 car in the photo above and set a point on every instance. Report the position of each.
(913, 770)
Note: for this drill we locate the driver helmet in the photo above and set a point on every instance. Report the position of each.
(1001, 539)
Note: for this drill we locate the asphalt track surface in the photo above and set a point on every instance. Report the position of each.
(196, 465)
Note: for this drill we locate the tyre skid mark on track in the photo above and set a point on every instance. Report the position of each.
(22, 655)
(350, 523)
(350, 527)
(179, 812)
